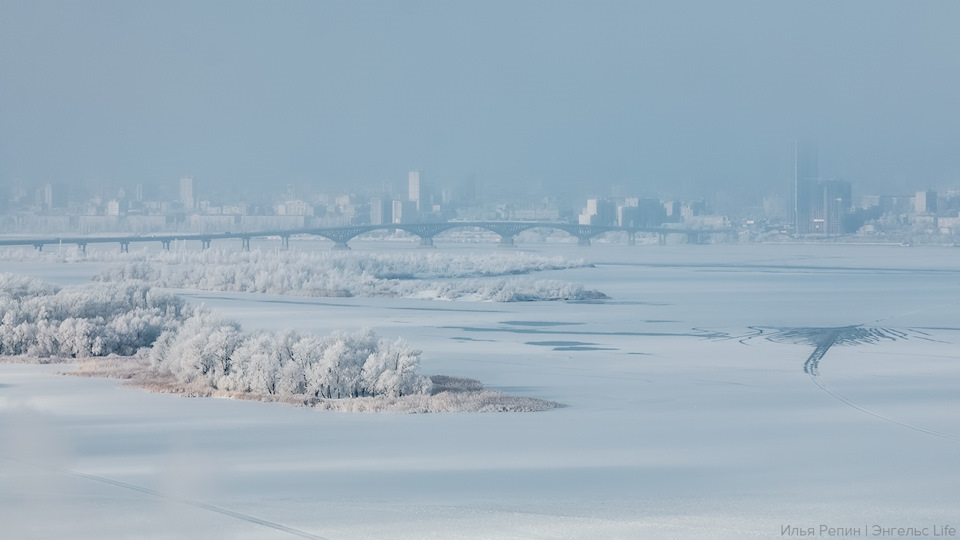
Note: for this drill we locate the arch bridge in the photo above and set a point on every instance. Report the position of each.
(507, 230)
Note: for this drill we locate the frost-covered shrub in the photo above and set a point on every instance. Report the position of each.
(420, 275)
(215, 352)
(40, 319)
(191, 349)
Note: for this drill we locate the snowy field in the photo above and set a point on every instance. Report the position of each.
(682, 419)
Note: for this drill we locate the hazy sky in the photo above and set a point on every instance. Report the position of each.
(646, 95)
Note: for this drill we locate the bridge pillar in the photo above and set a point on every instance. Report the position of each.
(662, 239)
(693, 238)
(285, 242)
(245, 245)
(631, 238)
(340, 246)
(38, 247)
(584, 241)
(124, 247)
(165, 244)
(507, 242)
(426, 242)
(83, 247)
(204, 243)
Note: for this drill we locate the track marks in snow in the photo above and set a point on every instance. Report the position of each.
(825, 338)
(173, 498)
(815, 377)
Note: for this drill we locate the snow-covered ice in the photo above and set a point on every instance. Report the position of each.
(682, 419)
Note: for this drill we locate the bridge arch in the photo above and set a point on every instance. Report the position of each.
(507, 230)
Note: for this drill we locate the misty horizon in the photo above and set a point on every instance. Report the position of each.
(564, 97)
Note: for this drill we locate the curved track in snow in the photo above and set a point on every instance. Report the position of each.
(811, 367)
(173, 498)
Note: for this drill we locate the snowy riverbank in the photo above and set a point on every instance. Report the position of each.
(676, 425)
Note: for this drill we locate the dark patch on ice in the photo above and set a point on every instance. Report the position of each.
(264, 300)
(836, 335)
(446, 383)
(659, 321)
(618, 302)
(571, 345)
(696, 332)
(540, 323)
(823, 338)
(580, 348)
(461, 338)
(721, 382)
(517, 389)
(396, 275)
(839, 335)
(790, 267)
(318, 302)
(937, 328)
(639, 353)
(559, 343)
(447, 309)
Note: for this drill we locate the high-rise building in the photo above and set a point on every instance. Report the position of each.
(671, 211)
(53, 196)
(652, 212)
(628, 216)
(836, 201)
(188, 193)
(599, 212)
(693, 208)
(414, 189)
(113, 208)
(925, 202)
(807, 205)
(48, 196)
(404, 212)
(380, 211)
(820, 207)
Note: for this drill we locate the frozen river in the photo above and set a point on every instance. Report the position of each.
(682, 419)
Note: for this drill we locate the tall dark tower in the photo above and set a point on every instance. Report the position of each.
(806, 202)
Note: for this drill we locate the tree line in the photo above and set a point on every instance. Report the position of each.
(195, 345)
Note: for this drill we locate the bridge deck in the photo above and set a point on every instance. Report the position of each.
(341, 235)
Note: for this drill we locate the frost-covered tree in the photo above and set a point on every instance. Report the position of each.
(44, 320)
(216, 353)
(197, 346)
(200, 348)
(392, 371)
(255, 367)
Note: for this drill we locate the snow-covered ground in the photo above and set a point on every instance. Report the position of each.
(682, 419)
